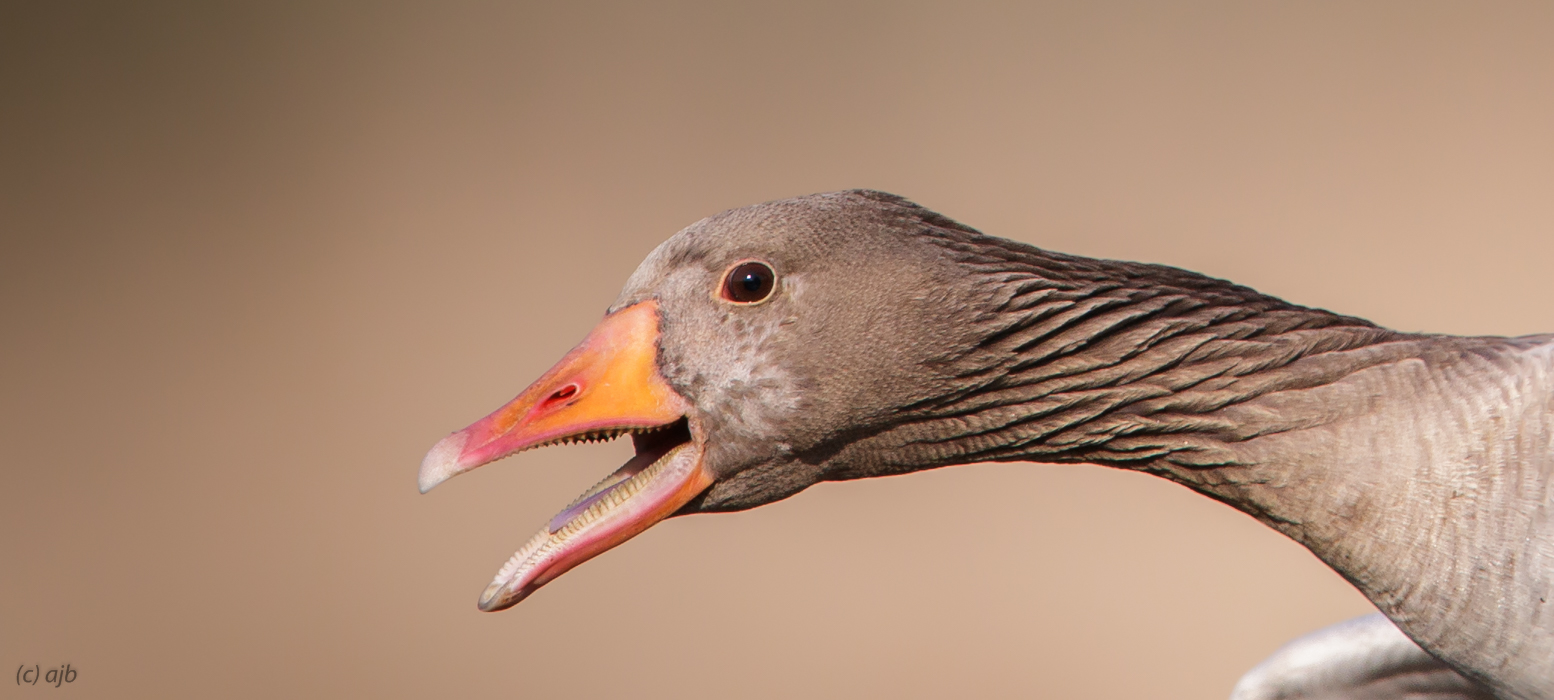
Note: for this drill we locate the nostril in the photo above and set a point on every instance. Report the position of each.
(564, 393)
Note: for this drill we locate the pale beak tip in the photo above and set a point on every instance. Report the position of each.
(496, 597)
(442, 462)
(488, 597)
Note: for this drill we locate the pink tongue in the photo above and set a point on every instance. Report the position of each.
(628, 470)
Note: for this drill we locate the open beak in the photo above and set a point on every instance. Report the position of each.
(606, 387)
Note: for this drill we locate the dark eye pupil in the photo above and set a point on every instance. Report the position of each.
(749, 282)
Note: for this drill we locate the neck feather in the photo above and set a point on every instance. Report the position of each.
(1409, 463)
(1139, 366)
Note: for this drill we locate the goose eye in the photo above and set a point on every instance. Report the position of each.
(749, 282)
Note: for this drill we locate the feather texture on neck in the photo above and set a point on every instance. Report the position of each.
(1409, 463)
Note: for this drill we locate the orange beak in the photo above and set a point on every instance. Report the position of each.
(607, 386)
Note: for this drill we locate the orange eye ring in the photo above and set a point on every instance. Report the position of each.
(748, 282)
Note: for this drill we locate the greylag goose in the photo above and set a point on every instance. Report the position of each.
(855, 334)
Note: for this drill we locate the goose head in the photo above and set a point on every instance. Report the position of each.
(752, 354)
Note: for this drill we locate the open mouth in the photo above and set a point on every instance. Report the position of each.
(652, 446)
(649, 487)
(607, 387)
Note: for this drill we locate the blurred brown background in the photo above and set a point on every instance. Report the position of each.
(257, 258)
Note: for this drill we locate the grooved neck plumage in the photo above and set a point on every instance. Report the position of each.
(1070, 359)
(1380, 451)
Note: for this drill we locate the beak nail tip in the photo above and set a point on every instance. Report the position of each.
(441, 462)
(489, 599)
